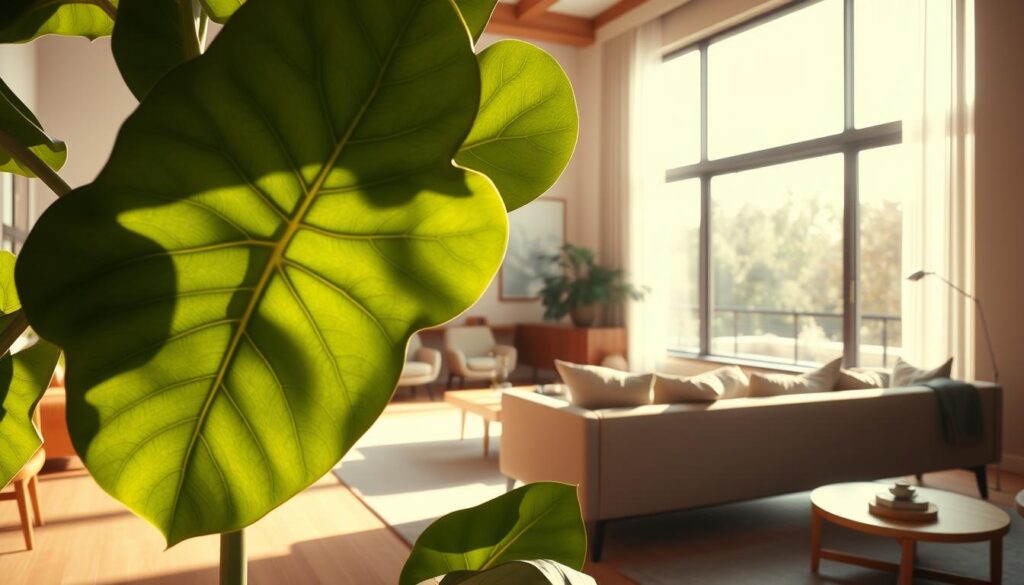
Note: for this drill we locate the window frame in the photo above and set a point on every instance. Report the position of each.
(850, 142)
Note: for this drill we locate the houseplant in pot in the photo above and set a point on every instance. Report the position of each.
(584, 287)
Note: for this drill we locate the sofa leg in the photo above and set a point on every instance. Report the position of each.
(920, 478)
(510, 483)
(597, 540)
(981, 475)
(430, 392)
(451, 379)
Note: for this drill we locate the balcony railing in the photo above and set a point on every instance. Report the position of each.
(885, 322)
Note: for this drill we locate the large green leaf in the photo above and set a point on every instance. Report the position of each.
(24, 20)
(476, 13)
(21, 125)
(221, 10)
(24, 378)
(536, 521)
(526, 130)
(538, 572)
(236, 290)
(152, 37)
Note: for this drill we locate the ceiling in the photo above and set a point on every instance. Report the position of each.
(570, 22)
(581, 8)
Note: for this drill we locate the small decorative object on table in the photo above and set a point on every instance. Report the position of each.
(901, 502)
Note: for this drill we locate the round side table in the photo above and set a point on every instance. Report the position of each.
(961, 519)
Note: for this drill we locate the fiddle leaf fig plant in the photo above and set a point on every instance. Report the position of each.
(235, 291)
(270, 248)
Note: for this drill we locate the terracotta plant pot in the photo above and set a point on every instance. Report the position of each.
(584, 316)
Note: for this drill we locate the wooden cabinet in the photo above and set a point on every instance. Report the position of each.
(539, 345)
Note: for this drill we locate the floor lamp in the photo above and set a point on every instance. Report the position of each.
(920, 274)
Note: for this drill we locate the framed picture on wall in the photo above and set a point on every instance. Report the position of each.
(536, 232)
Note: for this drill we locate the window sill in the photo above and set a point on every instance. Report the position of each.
(745, 363)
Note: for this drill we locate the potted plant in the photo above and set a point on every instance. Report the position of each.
(583, 287)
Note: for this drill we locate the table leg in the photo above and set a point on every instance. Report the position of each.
(462, 429)
(907, 562)
(487, 438)
(995, 566)
(815, 541)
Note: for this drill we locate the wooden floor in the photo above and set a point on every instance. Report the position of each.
(323, 535)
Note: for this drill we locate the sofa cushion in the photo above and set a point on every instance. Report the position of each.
(905, 374)
(481, 364)
(821, 380)
(727, 382)
(595, 387)
(862, 379)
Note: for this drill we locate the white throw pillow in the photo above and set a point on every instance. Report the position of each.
(821, 380)
(862, 379)
(727, 382)
(904, 374)
(595, 387)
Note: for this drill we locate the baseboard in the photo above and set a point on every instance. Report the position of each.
(1013, 463)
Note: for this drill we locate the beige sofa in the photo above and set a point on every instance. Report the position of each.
(658, 458)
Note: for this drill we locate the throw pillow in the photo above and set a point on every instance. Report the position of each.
(862, 379)
(727, 382)
(595, 387)
(904, 374)
(821, 380)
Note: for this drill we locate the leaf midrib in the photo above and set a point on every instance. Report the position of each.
(515, 536)
(294, 224)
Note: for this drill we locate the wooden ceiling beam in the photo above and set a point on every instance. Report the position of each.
(552, 27)
(615, 10)
(533, 8)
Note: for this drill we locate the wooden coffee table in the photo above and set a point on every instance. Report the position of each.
(961, 519)
(483, 403)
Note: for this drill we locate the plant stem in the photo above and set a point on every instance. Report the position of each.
(233, 569)
(34, 164)
(107, 7)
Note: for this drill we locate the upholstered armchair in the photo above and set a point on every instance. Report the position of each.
(422, 366)
(473, 354)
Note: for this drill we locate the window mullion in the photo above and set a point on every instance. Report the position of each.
(851, 203)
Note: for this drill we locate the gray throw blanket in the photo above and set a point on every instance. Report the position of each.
(959, 409)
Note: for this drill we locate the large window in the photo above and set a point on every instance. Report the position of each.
(785, 174)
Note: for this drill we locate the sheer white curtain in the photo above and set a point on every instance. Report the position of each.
(938, 134)
(632, 178)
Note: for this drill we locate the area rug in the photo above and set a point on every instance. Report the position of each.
(411, 468)
(767, 541)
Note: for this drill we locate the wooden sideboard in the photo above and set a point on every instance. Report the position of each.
(539, 345)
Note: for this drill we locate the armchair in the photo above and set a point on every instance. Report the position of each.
(422, 366)
(473, 354)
